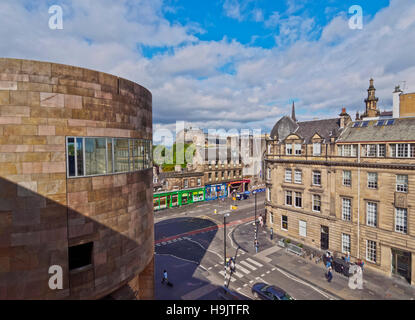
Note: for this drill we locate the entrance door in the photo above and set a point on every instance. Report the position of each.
(401, 264)
(324, 241)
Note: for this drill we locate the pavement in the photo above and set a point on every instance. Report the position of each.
(375, 286)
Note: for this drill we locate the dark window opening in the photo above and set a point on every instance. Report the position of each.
(80, 256)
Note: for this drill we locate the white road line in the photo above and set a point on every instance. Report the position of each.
(239, 289)
(243, 269)
(222, 273)
(251, 281)
(238, 274)
(245, 284)
(210, 268)
(268, 272)
(254, 262)
(262, 274)
(216, 265)
(273, 269)
(248, 265)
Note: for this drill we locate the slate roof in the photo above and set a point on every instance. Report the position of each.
(402, 130)
(326, 128)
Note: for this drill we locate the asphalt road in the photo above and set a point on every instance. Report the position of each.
(190, 246)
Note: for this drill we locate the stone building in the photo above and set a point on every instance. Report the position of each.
(346, 186)
(75, 183)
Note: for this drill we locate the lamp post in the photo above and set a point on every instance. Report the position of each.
(224, 244)
(256, 225)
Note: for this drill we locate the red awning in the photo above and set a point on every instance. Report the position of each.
(242, 181)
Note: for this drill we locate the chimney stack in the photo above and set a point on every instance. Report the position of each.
(396, 102)
(344, 118)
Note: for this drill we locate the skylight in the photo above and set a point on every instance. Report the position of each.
(365, 124)
(390, 122)
(380, 123)
(356, 125)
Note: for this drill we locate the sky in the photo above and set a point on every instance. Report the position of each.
(227, 64)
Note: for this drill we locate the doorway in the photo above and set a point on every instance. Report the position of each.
(324, 240)
(401, 264)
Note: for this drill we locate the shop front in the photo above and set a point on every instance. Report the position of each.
(401, 264)
(164, 200)
(239, 186)
(216, 191)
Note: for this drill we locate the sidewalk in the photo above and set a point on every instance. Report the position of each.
(375, 286)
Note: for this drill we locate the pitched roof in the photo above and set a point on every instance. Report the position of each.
(326, 128)
(402, 130)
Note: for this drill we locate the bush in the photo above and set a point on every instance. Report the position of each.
(299, 245)
(287, 241)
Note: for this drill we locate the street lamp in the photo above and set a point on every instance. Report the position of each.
(224, 243)
(256, 225)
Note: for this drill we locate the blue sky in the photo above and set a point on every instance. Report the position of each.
(227, 64)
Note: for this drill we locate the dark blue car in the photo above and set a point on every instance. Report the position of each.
(266, 292)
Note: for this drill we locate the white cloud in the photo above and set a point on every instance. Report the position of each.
(192, 81)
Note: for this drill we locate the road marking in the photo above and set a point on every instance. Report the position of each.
(262, 274)
(216, 265)
(238, 274)
(251, 281)
(210, 268)
(243, 269)
(273, 269)
(268, 272)
(239, 289)
(227, 278)
(254, 262)
(248, 265)
(245, 284)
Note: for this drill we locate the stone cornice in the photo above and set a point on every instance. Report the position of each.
(346, 164)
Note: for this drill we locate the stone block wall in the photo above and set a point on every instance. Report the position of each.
(42, 212)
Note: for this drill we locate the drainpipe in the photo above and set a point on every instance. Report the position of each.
(358, 202)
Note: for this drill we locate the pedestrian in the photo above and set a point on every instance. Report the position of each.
(329, 275)
(347, 258)
(165, 279)
(261, 221)
(256, 246)
(232, 265)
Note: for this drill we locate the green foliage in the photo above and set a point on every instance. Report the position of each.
(188, 148)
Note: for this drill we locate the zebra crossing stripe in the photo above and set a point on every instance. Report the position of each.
(273, 269)
(222, 273)
(243, 269)
(238, 274)
(248, 265)
(254, 262)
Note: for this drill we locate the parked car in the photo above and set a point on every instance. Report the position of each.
(267, 292)
(243, 196)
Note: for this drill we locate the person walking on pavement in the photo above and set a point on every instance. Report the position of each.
(329, 275)
(165, 279)
(261, 221)
(256, 246)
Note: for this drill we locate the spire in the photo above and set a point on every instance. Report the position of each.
(293, 113)
(371, 101)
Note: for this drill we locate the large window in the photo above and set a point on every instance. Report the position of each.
(95, 156)
(402, 150)
(372, 214)
(284, 222)
(372, 180)
(374, 150)
(402, 183)
(316, 178)
(288, 175)
(289, 149)
(298, 200)
(346, 243)
(347, 150)
(346, 209)
(316, 203)
(99, 156)
(298, 176)
(316, 149)
(297, 149)
(371, 251)
(347, 178)
(288, 198)
(401, 220)
(302, 228)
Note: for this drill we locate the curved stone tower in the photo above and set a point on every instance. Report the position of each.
(75, 183)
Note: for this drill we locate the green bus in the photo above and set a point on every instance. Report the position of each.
(177, 198)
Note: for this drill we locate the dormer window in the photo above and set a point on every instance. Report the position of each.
(317, 149)
(298, 149)
(289, 149)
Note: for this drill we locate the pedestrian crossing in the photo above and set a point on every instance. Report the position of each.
(246, 269)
